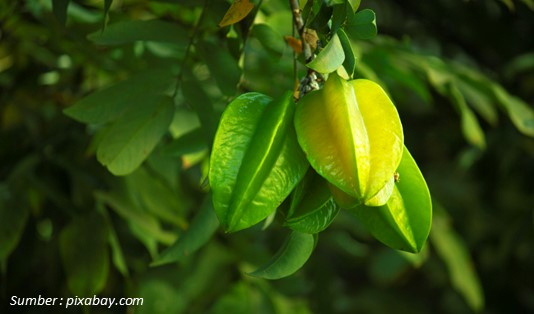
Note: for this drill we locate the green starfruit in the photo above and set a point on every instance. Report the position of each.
(256, 160)
(352, 136)
(404, 222)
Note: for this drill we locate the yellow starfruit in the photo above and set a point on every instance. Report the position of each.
(352, 136)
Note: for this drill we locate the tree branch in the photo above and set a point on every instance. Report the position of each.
(299, 23)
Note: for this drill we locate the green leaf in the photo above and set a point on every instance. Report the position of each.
(132, 137)
(521, 114)
(352, 135)
(146, 223)
(388, 267)
(404, 222)
(13, 219)
(84, 253)
(312, 207)
(355, 4)
(117, 255)
(59, 7)
(202, 228)
(362, 25)
(222, 66)
(270, 39)
(470, 127)
(191, 142)
(256, 160)
(107, 7)
(480, 99)
(195, 96)
(450, 247)
(330, 58)
(334, 2)
(157, 197)
(350, 61)
(520, 64)
(242, 297)
(322, 18)
(293, 254)
(110, 103)
(126, 32)
(339, 15)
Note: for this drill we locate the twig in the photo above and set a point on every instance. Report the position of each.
(309, 82)
(299, 23)
(189, 47)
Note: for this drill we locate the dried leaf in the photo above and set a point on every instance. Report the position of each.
(310, 36)
(237, 11)
(294, 43)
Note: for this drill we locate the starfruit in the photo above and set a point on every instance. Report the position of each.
(404, 222)
(352, 136)
(256, 160)
(312, 208)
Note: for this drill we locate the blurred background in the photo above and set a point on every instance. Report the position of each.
(460, 72)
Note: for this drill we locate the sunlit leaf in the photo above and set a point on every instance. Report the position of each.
(404, 222)
(202, 228)
(84, 253)
(330, 58)
(451, 248)
(293, 254)
(132, 137)
(136, 30)
(237, 11)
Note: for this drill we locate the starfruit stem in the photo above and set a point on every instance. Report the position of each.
(312, 79)
(310, 82)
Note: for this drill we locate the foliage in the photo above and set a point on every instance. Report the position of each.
(119, 204)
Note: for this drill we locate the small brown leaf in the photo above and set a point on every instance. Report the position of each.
(310, 36)
(237, 11)
(295, 44)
